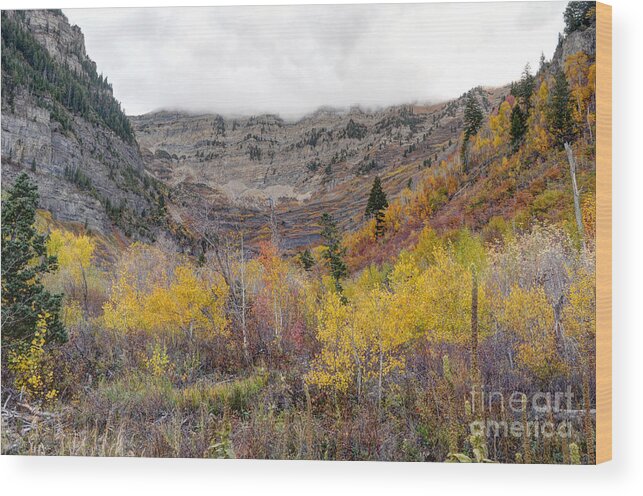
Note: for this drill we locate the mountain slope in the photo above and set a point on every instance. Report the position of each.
(324, 162)
(509, 185)
(62, 125)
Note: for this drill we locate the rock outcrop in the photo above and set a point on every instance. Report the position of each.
(324, 162)
(577, 41)
(63, 129)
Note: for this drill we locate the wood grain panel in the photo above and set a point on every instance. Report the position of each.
(603, 233)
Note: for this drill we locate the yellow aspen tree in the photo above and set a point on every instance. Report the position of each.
(528, 314)
(403, 280)
(138, 272)
(31, 366)
(538, 138)
(393, 216)
(74, 254)
(500, 125)
(361, 348)
(580, 74)
(423, 253)
(579, 317)
(383, 337)
(151, 295)
(335, 365)
(444, 297)
(122, 312)
(189, 303)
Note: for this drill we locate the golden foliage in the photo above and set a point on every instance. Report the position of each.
(75, 273)
(32, 368)
(74, 252)
(393, 217)
(444, 298)
(581, 75)
(151, 294)
(359, 347)
(279, 288)
(538, 137)
(500, 125)
(528, 314)
(159, 361)
(579, 316)
(335, 366)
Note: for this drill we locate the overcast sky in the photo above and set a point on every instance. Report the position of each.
(291, 60)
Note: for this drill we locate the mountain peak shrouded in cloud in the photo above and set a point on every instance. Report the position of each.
(292, 60)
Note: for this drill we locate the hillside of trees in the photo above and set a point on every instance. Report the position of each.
(435, 332)
(27, 64)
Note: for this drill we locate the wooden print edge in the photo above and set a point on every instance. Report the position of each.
(603, 232)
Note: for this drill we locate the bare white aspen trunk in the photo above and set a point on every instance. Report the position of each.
(579, 217)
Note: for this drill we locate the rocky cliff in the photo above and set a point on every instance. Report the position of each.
(62, 125)
(324, 162)
(582, 40)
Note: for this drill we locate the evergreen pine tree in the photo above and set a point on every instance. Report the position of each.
(379, 224)
(518, 126)
(524, 89)
(559, 112)
(24, 261)
(377, 200)
(472, 116)
(579, 15)
(472, 121)
(306, 259)
(334, 251)
(377, 203)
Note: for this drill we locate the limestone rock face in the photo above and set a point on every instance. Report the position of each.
(265, 157)
(85, 173)
(33, 143)
(324, 162)
(65, 43)
(577, 41)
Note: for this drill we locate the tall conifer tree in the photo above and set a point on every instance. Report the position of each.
(334, 252)
(24, 261)
(377, 203)
(559, 111)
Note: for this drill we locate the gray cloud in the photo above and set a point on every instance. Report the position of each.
(293, 59)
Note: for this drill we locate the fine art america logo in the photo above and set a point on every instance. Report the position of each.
(518, 415)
